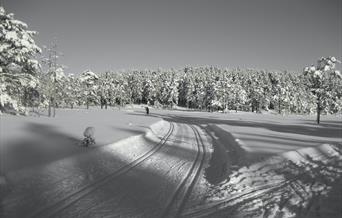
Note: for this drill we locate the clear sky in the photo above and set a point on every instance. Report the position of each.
(123, 34)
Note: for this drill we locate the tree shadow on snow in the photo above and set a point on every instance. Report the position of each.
(43, 144)
(131, 130)
(302, 129)
(306, 187)
(327, 129)
(327, 124)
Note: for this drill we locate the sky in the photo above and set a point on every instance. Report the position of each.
(104, 35)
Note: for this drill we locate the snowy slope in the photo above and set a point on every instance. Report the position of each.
(30, 141)
(149, 175)
(32, 189)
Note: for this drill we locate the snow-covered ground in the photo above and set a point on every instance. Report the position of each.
(32, 191)
(273, 156)
(300, 183)
(148, 175)
(32, 140)
(192, 164)
(266, 165)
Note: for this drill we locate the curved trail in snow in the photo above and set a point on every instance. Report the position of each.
(179, 198)
(145, 191)
(69, 199)
(155, 175)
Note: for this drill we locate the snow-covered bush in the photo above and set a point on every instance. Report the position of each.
(89, 136)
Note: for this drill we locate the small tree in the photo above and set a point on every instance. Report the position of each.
(321, 82)
(54, 77)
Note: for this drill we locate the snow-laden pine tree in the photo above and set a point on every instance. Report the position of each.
(184, 87)
(104, 90)
(89, 81)
(324, 82)
(167, 84)
(121, 92)
(72, 91)
(61, 81)
(18, 65)
(135, 86)
(149, 88)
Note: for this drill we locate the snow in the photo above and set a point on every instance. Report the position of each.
(28, 141)
(5, 99)
(285, 185)
(74, 171)
(33, 63)
(58, 75)
(312, 68)
(192, 163)
(267, 153)
(4, 47)
(318, 73)
(11, 35)
(88, 77)
(264, 165)
(143, 190)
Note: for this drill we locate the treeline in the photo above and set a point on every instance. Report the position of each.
(204, 88)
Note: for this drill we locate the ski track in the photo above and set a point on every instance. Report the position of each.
(73, 188)
(68, 200)
(35, 188)
(180, 196)
(138, 193)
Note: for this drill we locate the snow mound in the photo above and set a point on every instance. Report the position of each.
(133, 146)
(293, 184)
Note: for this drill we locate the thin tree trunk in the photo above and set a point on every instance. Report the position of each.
(318, 111)
(49, 110)
(25, 97)
(54, 107)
